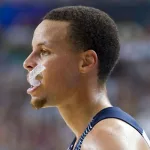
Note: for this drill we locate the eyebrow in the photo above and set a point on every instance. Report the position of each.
(44, 43)
(41, 44)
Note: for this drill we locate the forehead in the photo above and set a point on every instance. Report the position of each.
(49, 31)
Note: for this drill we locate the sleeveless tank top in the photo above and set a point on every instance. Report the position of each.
(110, 112)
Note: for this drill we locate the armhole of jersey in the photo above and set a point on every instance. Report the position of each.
(115, 112)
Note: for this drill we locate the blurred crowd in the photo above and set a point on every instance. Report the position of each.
(23, 128)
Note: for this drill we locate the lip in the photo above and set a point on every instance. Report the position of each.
(31, 89)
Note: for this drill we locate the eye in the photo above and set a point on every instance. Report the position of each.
(44, 52)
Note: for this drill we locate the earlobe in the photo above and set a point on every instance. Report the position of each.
(88, 61)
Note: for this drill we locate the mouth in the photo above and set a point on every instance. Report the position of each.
(34, 84)
(34, 78)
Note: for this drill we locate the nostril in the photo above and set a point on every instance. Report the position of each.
(27, 66)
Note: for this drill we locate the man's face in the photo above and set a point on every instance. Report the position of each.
(52, 49)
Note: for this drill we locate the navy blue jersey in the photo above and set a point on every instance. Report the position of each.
(110, 112)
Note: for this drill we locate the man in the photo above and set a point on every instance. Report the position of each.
(79, 48)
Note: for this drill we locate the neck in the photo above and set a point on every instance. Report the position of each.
(82, 108)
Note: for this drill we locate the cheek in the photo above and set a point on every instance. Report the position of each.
(61, 73)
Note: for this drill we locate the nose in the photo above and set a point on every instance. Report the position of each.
(29, 63)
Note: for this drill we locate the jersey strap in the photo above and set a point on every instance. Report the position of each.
(115, 112)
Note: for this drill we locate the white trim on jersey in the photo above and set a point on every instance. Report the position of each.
(146, 138)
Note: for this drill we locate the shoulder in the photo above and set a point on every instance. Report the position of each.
(112, 134)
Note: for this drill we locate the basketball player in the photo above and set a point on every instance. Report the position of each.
(79, 47)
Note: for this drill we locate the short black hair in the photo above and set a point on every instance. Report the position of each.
(91, 28)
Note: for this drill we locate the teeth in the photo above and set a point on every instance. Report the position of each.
(34, 82)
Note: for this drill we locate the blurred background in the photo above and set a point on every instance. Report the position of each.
(23, 128)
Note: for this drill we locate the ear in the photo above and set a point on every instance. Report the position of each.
(88, 61)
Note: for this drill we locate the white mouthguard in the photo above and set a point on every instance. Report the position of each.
(34, 73)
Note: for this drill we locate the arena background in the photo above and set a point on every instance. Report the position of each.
(21, 127)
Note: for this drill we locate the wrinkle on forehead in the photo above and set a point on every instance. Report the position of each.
(52, 31)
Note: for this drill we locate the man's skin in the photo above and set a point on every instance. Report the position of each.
(70, 83)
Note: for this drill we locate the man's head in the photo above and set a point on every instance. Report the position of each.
(75, 44)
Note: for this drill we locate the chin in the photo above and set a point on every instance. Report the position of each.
(38, 103)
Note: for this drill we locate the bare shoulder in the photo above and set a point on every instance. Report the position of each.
(114, 134)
